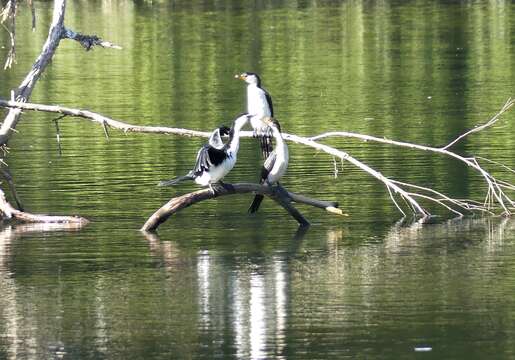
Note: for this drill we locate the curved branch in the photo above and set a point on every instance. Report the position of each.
(276, 193)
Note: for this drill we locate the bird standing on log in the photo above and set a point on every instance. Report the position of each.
(214, 161)
(259, 106)
(275, 164)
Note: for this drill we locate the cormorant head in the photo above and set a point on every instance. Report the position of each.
(249, 78)
(224, 130)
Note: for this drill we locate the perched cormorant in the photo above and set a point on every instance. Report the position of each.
(275, 164)
(214, 162)
(259, 106)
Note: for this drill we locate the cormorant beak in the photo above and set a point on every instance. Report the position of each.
(268, 120)
(240, 76)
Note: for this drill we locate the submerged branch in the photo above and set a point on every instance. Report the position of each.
(11, 213)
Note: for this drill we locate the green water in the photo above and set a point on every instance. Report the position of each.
(214, 282)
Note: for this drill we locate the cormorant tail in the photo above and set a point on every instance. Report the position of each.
(266, 145)
(176, 180)
(255, 203)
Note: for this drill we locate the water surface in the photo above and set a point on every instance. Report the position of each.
(214, 282)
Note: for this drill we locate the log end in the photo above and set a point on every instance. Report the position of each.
(336, 211)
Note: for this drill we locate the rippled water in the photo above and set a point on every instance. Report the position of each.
(214, 282)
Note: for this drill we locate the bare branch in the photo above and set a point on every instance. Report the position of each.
(495, 187)
(509, 103)
(419, 210)
(9, 13)
(88, 41)
(277, 193)
(25, 89)
(33, 13)
(104, 120)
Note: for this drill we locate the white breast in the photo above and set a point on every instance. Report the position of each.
(280, 166)
(257, 104)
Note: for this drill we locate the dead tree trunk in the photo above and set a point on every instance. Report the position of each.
(57, 31)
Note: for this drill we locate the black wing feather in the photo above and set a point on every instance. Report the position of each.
(216, 156)
(270, 104)
(202, 162)
(207, 157)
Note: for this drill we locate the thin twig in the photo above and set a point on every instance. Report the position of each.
(507, 105)
(58, 132)
(33, 13)
(106, 132)
(496, 163)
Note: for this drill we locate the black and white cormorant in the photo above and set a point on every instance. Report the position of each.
(259, 106)
(215, 159)
(275, 164)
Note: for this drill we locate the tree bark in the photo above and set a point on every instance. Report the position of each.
(22, 94)
(276, 193)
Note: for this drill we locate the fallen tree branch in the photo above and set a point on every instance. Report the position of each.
(11, 213)
(496, 196)
(276, 193)
(106, 121)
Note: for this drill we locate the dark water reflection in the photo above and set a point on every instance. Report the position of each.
(216, 283)
(327, 291)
